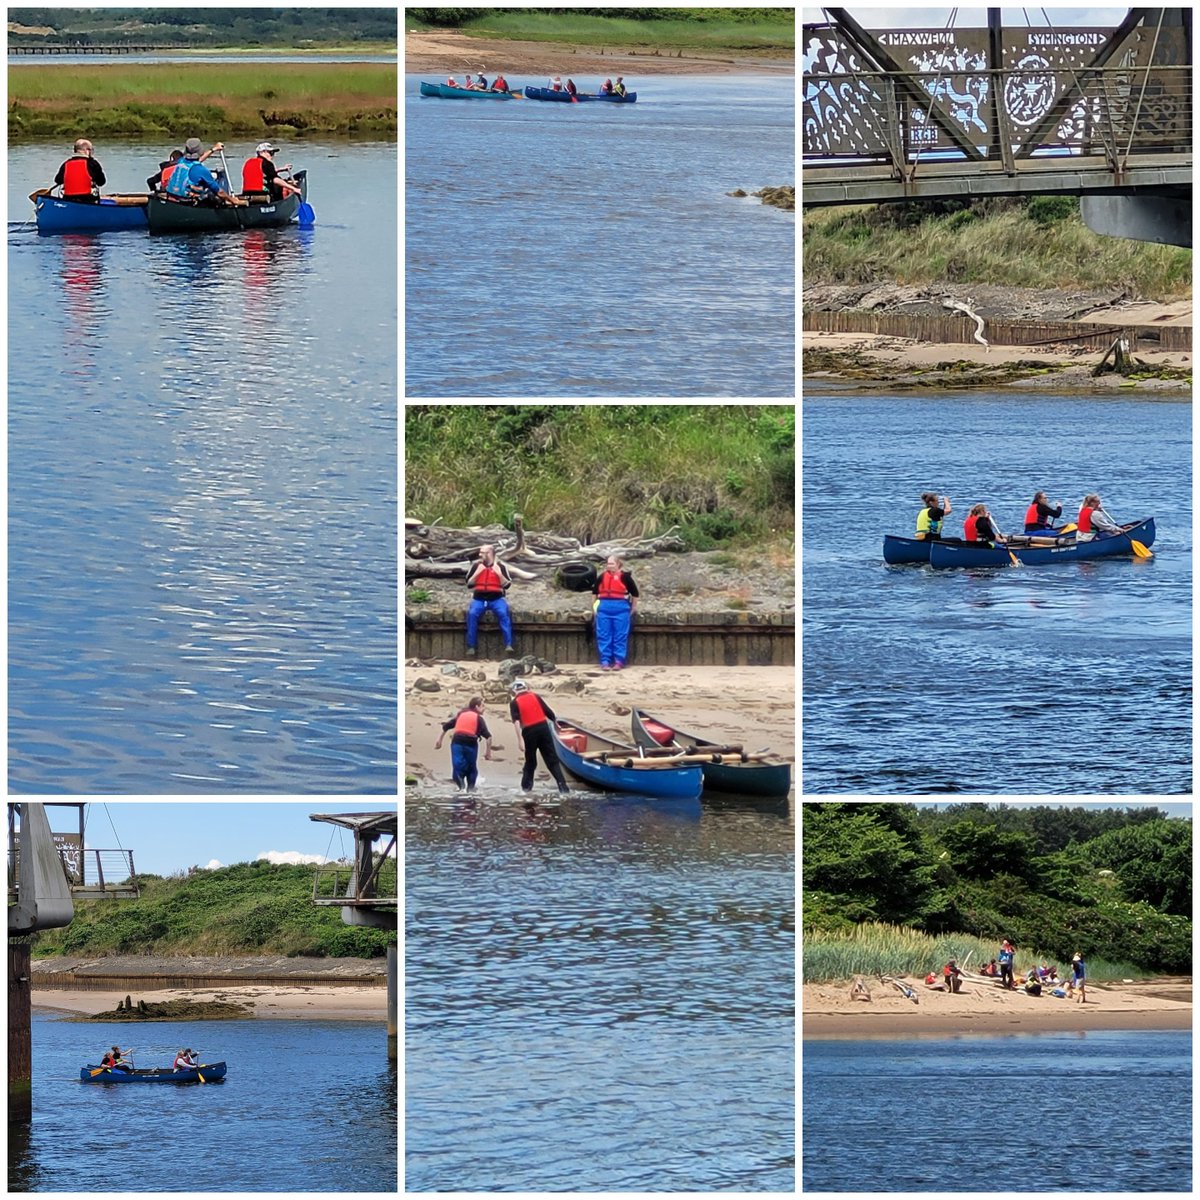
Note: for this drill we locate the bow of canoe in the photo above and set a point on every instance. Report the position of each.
(900, 550)
(110, 214)
(618, 767)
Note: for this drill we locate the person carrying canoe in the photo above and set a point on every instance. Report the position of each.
(469, 726)
(190, 179)
(184, 1060)
(619, 86)
(930, 518)
(531, 717)
(979, 527)
(616, 602)
(490, 579)
(260, 174)
(952, 974)
(1041, 515)
(81, 177)
(1094, 520)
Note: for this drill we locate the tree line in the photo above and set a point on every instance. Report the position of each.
(1117, 882)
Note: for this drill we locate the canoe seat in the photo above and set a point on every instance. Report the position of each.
(573, 740)
(661, 733)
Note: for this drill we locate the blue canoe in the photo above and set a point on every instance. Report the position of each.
(943, 555)
(535, 93)
(210, 1071)
(112, 213)
(608, 764)
(446, 92)
(898, 550)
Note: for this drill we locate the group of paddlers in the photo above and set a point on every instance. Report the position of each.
(980, 527)
(479, 83)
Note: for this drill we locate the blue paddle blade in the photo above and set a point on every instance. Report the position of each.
(306, 215)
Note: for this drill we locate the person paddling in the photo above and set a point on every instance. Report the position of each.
(81, 177)
(930, 518)
(260, 174)
(1094, 520)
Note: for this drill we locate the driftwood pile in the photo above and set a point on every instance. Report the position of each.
(435, 552)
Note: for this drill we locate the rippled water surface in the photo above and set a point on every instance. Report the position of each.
(600, 997)
(202, 493)
(591, 249)
(1067, 1112)
(269, 1126)
(1058, 679)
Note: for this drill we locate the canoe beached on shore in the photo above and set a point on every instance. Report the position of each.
(445, 92)
(110, 214)
(727, 768)
(538, 93)
(618, 767)
(210, 1072)
(168, 215)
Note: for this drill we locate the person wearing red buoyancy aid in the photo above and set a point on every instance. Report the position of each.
(1041, 514)
(260, 174)
(616, 602)
(469, 726)
(81, 177)
(1093, 520)
(531, 717)
(500, 84)
(979, 526)
(490, 580)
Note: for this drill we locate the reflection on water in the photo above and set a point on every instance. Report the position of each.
(202, 515)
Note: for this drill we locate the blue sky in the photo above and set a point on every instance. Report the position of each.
(171, 836)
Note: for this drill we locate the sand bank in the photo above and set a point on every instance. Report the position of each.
(443, 52)
(984, 1009)
(344, 1003)
(754, 706)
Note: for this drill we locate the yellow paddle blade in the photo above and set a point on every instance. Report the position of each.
(1140, 550)
(1068, 528)
(1016, 562)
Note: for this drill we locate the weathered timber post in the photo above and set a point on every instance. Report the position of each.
(20, 1052)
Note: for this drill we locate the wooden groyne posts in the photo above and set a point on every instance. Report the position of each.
(729, 639)
(19, 50)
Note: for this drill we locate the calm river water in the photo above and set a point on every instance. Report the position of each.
(591, 249)
(202, 493)
(269, 1126)
(600, 997)
(1069, 1112)
(1071, 679)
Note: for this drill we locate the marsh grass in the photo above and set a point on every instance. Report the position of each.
(874, 948)
(214, 98)
(1009, 247)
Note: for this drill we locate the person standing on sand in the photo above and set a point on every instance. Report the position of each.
(531, 717)
(490, 580)
(1078, 978)
(952, 974)
(1006, 956)
(616, 602)
(469, 726)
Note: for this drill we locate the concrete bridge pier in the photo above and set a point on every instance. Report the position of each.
(1165, 219)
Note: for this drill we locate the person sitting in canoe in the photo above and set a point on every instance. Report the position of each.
(190, 179)
(979, 527)
(469, 82)
(481, 83)
(81, 177)
(452, 82)
(158, 180)
(115, 1059)
(1040, 515)
(184, 1060)
(570, 87)
(605, 88)
(1093, 520)
(499, 84)
(260, 174)
(930, 518)
(619, 86)
(555, 84)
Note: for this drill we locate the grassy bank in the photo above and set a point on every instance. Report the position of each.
(1040, 244)
(751, 30)
(249, 908)
(213, 100)
(878, 948)
(723, 474)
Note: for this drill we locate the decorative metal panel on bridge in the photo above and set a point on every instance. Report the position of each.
(1052, 96)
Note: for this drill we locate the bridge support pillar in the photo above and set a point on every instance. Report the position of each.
(20, 1055)
(392, 1048)
(1163, 219)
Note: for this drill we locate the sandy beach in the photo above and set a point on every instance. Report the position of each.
(446, 52)
(344, 1003)
(754, 706)
(985, 1009)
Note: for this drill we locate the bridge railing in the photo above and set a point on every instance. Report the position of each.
(908, 118)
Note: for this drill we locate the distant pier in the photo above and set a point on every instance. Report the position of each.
(19, 50)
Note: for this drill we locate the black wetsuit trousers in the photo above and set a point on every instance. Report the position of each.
(539, 739)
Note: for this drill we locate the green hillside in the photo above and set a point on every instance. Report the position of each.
(246, 909)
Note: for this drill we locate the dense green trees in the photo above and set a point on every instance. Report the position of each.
(1114, 883)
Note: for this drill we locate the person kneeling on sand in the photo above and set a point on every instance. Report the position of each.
(952, 974)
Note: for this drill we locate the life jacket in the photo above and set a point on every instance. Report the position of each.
(926, 524)
(488, 580)
(530, 710)
(1085, 519)
(969, 529)
(1031, 515)
(467, 723)
(77, 179)
(252, 175)
(179, 181)
(612, 587)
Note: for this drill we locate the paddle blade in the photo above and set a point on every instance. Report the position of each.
(307, 217)
(1140, 550)
(1071, 527)
(1016, 562)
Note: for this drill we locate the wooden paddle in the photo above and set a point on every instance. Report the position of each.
(33, 196)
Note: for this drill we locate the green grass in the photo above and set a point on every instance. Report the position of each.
(213, 99)
(1000, 244)
(248, 908)
(874, 948)
(724, 474)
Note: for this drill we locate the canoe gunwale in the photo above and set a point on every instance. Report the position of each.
(665, 781)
